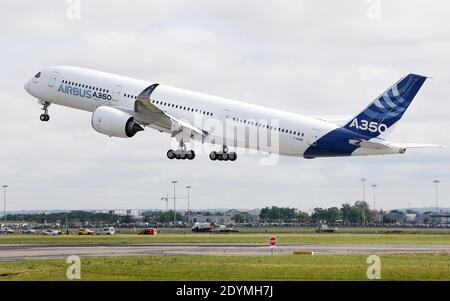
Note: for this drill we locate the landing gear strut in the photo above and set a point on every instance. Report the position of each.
(45, 116)
(181, 153)
(224, 155)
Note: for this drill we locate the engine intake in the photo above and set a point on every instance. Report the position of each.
(114, 123)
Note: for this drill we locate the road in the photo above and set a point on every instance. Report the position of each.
(21, 252)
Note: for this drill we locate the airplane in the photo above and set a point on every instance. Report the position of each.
(123, 106)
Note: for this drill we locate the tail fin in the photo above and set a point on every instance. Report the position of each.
(387, 109)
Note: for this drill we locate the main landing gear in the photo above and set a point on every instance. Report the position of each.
(181, 153)
(224, 155)
(45, 116)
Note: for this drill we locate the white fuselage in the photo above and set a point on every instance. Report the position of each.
(87, 90)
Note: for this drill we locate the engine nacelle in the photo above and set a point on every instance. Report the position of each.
(114, 122)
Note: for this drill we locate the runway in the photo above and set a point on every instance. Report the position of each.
(22, 252)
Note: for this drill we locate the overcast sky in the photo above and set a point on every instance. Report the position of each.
(309, 57)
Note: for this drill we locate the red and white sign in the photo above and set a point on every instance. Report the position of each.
(273, 241)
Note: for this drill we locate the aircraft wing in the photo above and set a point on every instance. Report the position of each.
(147, 113)
(183, 125)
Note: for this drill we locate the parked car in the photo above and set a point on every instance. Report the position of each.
(85, 231)
(202, 227)
(50, 232)
(325, 229)
(6, 230)
(107, 231)
(148, 231)
(224, 229)
(28, 231)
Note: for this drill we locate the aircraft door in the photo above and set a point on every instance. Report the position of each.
(53, 78)
(313, 136)
(226, 114)
(117, 92)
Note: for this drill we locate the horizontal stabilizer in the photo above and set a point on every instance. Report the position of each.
(383, 145)
(419, 145)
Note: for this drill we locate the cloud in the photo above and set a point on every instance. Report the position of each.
(299, 56)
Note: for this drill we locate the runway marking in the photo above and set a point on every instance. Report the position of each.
(20, 252)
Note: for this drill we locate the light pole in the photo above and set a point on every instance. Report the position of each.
(374, 186)
(4, 202)
(437, 199)
(363, 180)
(364, 199)
(166, 199)
(174, 203)
(189, 203)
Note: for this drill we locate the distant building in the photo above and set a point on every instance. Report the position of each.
(410, 217)
(250, 216)
(440, 218)
(201, 217)
(394, 217)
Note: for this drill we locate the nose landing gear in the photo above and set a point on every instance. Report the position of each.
(45, 116)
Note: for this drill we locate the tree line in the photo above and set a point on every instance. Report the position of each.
(76, 216)
(359, 212)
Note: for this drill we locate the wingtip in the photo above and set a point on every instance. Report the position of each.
(420, 75)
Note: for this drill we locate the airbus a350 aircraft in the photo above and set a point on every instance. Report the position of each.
(123, 106)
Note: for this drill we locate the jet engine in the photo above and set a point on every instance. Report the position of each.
(114, 122)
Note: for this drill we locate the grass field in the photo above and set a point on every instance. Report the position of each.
(323, 267)
(250, 238)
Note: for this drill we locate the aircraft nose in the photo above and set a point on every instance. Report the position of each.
(27, 86)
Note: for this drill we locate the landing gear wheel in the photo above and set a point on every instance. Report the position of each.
(44, 117)
(219, 156)
(191, 155)
(213, 156)
(170, 154)
(225, 156)
(182, 155)
(232, 156)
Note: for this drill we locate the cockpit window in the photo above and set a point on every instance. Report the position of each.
(38, 75)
